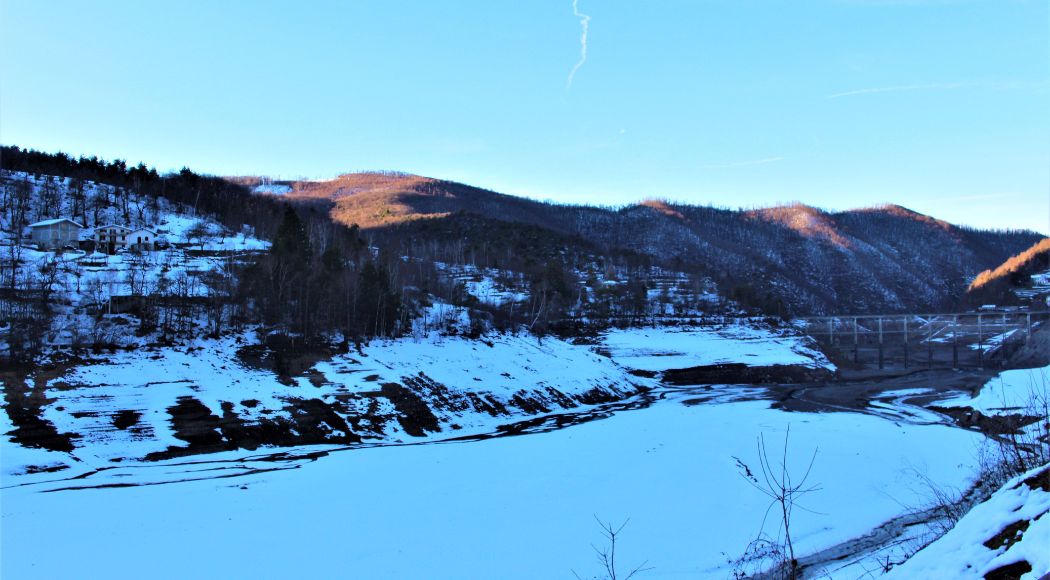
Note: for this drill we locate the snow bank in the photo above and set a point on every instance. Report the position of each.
(148, 381)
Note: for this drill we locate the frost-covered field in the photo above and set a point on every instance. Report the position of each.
(513, 507)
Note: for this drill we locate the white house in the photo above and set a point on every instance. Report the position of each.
(55, 233)
(142, 239)
(111, 238)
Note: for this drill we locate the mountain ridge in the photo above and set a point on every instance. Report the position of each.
(789, 259)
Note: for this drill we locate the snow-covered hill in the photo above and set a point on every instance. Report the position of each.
(85, 288)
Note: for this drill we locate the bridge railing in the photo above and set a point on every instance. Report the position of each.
(978, 338)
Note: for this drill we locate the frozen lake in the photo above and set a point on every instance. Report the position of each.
(508, 507)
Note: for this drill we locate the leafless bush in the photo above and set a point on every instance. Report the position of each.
(606, 554)
(1028, 446)
(943, 505)
(773, 556)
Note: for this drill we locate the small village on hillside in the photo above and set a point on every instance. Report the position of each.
(93, 253)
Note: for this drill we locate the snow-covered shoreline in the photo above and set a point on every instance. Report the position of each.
(669, 465)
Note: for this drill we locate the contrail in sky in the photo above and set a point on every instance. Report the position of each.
(584, 23)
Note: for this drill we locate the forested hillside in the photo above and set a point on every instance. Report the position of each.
(1021, 278)
(793, 259)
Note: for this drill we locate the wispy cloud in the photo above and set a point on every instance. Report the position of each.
(585, 21)
(901, 88)
(743, 163)
(1001, 86)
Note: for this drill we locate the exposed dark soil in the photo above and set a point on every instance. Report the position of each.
(24, 406)
(195, 424)
(857, 393)
(126, 419)
(740, 373)
(1008, 536)
(1040, 480)
(1035, 352)
(285, 358)
(414, 414)
(1010, 571)
(311, 421)
(968, 418)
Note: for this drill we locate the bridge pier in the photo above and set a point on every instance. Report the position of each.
(856, 344)
(929, 343)
(881, 359)
(980, 342)
(955, 342)
(905, 342)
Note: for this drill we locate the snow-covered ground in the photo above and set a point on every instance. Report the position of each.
(1013, 391)
(669, 294)
(490, 286)
(1010, 528)
(663, 348)
(272, 188)
(457, 501)
(469, 386)
(512, 507)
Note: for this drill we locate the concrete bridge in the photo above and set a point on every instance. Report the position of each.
(982, 339)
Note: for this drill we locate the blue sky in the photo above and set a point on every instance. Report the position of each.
(942, 106)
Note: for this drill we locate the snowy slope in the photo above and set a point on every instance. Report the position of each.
(81, 283)
(1012, 391)
(1010, 530)
(392, 390)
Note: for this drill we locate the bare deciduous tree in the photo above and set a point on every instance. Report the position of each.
(606, 554)
(783, 489)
